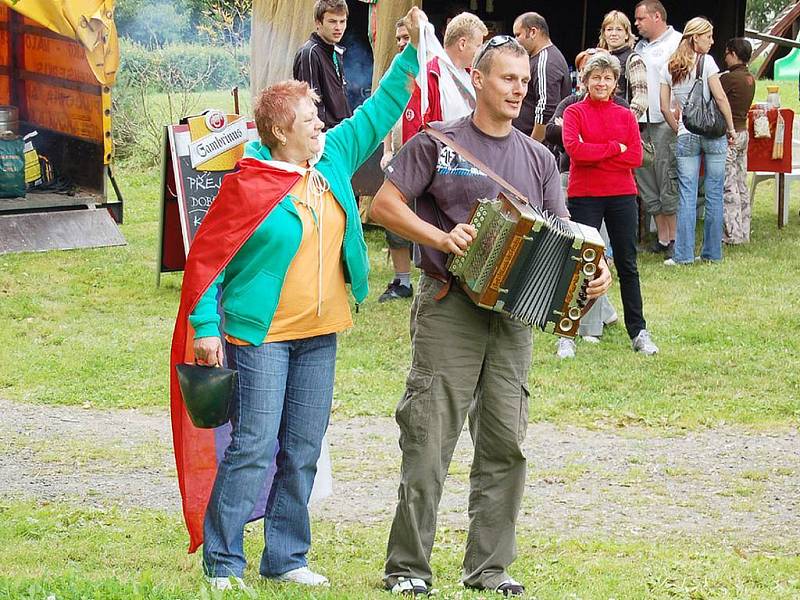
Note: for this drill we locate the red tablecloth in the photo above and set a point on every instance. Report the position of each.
(759, 150)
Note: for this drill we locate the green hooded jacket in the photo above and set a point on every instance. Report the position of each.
(253, 279)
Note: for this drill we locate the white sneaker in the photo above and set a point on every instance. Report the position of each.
(303, 576)
(592, 339)
(670, 262)
(565, 348)
(642, 343)
(226, 583)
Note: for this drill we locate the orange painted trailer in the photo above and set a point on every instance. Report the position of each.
(58, 61)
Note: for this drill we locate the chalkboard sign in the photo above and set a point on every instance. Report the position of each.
(196, 186)
(199, 190)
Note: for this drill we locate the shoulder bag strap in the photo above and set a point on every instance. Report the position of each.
(465, 154)
(698, 72)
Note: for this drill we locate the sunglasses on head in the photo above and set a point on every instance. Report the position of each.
(495, 42)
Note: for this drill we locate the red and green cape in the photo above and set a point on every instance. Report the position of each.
(246, 197)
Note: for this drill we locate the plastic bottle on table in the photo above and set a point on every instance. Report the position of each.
(773, 96)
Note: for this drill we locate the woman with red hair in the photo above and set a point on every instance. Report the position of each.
(282, 240)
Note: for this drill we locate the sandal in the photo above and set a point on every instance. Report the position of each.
(510, 588)
(410, 587)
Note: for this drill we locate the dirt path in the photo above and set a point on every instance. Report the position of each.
(734, 484)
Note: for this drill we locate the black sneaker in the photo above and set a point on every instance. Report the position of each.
(658, 247)
(509, 588)
(396, 290)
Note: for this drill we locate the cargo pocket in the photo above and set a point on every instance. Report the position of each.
(672, 171)
(524, 407)
(412, 412)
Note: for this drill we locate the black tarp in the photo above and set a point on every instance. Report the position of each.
(575, 24)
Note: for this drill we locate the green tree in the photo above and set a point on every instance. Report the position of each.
(760, 13)
(159, 23)
(126, 11)
(234, 14)
(226, 23)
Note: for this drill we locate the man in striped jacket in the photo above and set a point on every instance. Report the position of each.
(550, 81)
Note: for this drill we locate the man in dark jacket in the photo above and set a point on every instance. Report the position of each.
(320, 61)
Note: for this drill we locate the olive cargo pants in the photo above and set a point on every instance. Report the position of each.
(467, 361)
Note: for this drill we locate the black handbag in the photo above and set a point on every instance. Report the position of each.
(648, 148)
(701, 116)
(207, 393)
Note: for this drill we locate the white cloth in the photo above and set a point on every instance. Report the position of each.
(455, 87)
(680, 91)
(655, 55)
(323, 482)
(317, 186)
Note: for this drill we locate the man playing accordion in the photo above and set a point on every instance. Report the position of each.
(467, 361)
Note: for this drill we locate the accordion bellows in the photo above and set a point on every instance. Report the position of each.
(532, 266)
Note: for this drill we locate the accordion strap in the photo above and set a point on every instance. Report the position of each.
(469, 157)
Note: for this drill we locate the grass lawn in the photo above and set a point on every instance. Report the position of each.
(70, 552)
(90, 327)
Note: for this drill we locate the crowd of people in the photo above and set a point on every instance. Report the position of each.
(292, 224)
(654, 75)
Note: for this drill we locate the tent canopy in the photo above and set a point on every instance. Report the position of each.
(574, 26)
(58, 60)
(89, 22)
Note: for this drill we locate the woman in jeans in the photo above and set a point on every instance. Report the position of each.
(677, 79)
(287, 229)
(603, 144)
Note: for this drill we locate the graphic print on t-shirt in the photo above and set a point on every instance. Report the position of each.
(450, 163)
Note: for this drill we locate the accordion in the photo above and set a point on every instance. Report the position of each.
(529, 265)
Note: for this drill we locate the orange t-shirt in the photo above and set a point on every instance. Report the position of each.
(304, 294)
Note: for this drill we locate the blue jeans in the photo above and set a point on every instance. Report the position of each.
(687, 151)
(283, 398)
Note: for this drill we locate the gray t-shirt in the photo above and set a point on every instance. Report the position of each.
(446, 186)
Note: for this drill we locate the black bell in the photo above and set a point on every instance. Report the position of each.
(207, 393)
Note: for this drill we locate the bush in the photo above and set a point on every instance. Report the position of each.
(157, 23)
(156, 86)
(180, 66)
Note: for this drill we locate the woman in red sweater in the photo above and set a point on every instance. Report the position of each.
(603, 144)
